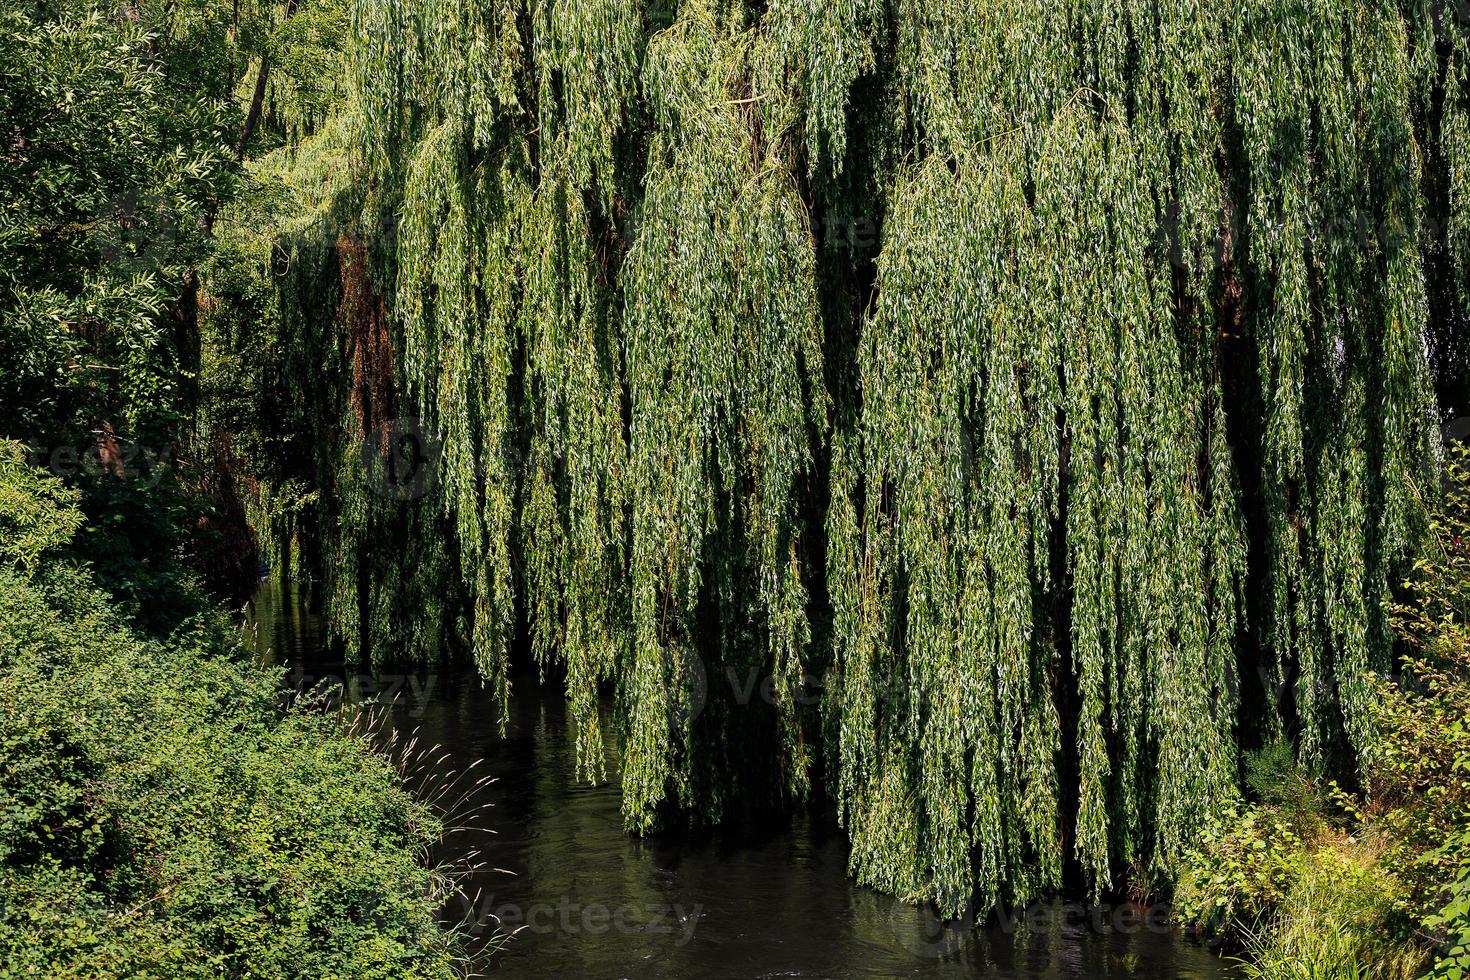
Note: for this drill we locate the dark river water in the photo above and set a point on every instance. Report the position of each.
(585, 899)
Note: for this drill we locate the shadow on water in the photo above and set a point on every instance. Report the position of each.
(586, 899)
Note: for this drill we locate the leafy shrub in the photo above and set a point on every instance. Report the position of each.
(37, 514)
(1294, 879)
(161, 816)
(1273, 776)
(1242, 871)
(1306, 899)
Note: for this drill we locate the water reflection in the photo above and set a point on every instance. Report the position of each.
(587, 900)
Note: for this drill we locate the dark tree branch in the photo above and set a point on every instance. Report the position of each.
(257, 100)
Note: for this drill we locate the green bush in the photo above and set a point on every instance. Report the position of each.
(1241, 873)
(1303, 896)
(1275, 777)
(37, 514)
(161, 816)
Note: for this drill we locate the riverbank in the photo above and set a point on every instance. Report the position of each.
(1320, 882)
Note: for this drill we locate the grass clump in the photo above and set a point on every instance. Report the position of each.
(1297, 879)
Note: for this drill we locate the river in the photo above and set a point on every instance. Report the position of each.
(584, 899)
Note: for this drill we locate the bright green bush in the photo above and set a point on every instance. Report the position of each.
(161, 816)
(1242, 871)
(1307, 899)
(1453, 919)
(36, 514)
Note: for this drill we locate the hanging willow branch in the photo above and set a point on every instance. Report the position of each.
(1149, 309)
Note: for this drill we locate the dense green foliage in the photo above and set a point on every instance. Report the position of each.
(1092, 462)
(108, 172)
(1420, 773)
(1300, 878)
(1053, 384)
(120, 148)
(159, 816)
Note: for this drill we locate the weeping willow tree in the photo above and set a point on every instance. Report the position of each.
(1095, 466)
(1017, 448)
(1040, 510)
(1338, 311)
(626, 419)
(724, 365)
(1440, 38)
